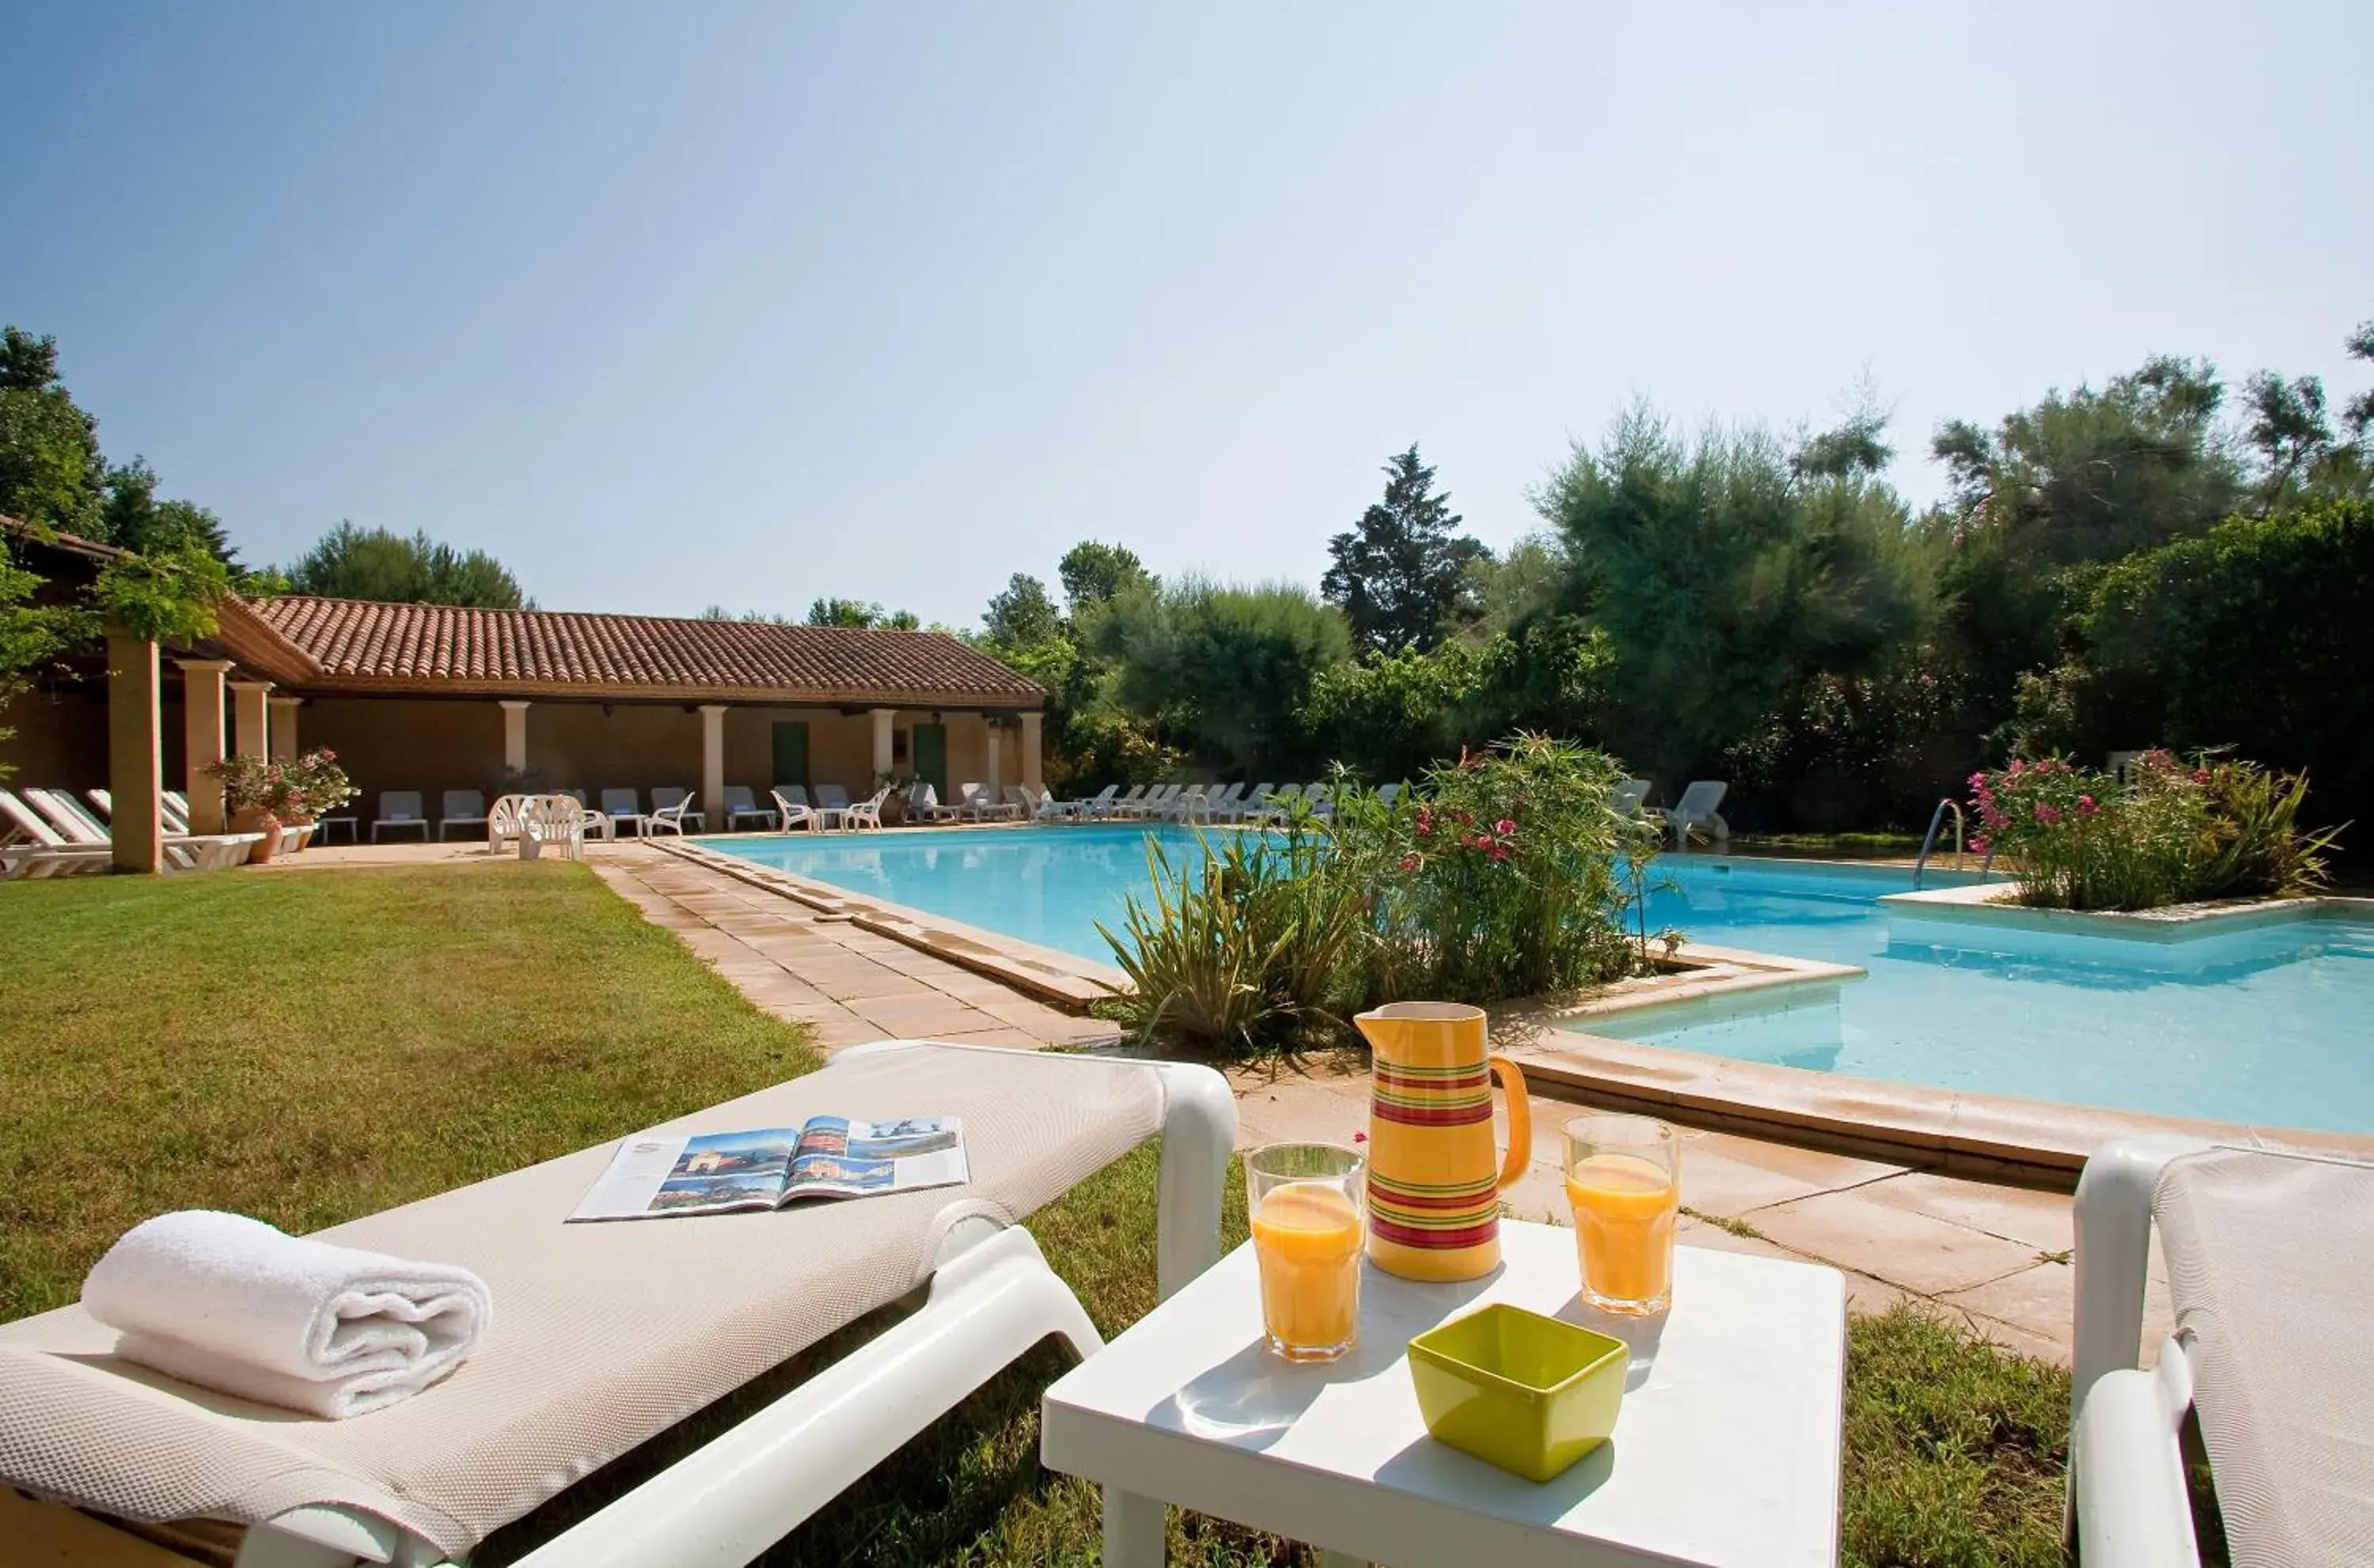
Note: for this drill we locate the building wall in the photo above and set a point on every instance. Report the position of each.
(61, 739)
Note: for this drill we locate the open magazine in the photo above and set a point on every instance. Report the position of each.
(652, 1177)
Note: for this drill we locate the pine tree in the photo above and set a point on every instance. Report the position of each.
(1401, 575)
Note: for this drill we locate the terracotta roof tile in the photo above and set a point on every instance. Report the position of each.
(365, 646)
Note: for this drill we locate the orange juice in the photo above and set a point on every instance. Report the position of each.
(1624, 1210)
(1308, 1237)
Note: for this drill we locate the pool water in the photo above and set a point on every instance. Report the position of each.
(2268, 1029)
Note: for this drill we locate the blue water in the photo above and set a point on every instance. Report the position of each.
(2270, 1028)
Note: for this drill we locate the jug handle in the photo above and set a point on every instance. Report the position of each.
(1520, 1157)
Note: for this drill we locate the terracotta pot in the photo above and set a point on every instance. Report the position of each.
(256, 819)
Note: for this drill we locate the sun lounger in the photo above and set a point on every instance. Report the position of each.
(742, 806)
(71, 828)
(1126, 804)
(1089, 806)
(623, 806)
(831, 804)
(606, 1335)
(1697, 808)
(2269, 1265)
(400, 809)
(1630, 795)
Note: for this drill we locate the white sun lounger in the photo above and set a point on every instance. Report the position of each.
(74, 829)
(1630, 795)
(31, 847)
(606, 1335)
(623, 806)
(400, 809)
(742, 805)
(1089, 806)
(1697, 808)
(2270, 1266)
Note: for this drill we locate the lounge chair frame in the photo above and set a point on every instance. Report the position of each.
(991, 1297)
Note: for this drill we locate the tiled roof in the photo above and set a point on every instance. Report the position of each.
(364, 646)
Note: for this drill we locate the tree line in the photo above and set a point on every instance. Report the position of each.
(2162, 559)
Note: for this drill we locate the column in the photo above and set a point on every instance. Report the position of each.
(248, 723)
(996, 777)
(712, 767)
(136, 754)
(1031, 777)
(514, 736)
(283, 727)
(202, 738)
(882, 717)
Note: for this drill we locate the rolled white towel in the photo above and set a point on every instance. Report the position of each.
(232, 1304)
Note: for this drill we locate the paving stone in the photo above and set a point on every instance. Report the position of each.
(2040, 1220)
(1902, 1247)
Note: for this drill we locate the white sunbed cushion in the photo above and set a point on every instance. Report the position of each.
(2270, 1265)
(604, 1335)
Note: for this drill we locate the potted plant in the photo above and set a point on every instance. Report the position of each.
(255, 791)
(894, 809)
(316, 784)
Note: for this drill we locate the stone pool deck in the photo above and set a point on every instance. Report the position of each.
(1995, 1256)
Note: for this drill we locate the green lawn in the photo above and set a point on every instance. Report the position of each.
(309, 1045)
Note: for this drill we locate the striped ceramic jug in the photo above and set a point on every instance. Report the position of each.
(1434, 1177)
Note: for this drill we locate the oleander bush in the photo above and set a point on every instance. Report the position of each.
(2173, 834)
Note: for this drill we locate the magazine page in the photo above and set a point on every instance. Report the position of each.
(839, 1158)
(715, 1172)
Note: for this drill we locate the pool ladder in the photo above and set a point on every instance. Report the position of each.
(1929, 840)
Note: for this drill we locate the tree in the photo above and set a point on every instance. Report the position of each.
(131, 518)
(2360, 416)
(1093, 573)
(1726, 572)
(1022, 617)
(1400, 576)
(1225, 670)
(859, 616)
(376, 564)
(51, 473)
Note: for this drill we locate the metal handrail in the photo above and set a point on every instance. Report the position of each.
(1928, 840)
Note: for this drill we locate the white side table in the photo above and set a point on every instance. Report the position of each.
(1727, 1452)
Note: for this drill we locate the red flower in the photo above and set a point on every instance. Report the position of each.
(1409, 862)
(2018, 765)
(2201, 776)
(2086, 806)
(1979, 845)
(1504, 827)
(1499, 851)
(2046, 814)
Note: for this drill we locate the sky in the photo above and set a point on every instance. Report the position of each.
(674, 306)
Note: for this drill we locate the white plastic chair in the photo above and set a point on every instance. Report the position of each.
(791, 814)
(867, 813)
(1697, 808)
(670, 809)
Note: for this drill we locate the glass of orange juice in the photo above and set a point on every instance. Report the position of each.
(1623, 1178)
(1309, 1219)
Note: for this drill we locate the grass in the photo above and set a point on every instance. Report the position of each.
(313, 1046)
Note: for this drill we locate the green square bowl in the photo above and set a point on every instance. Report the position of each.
(1528, 1393)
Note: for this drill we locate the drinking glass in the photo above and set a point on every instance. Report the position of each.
(1623, 1178)
(1308, 1218)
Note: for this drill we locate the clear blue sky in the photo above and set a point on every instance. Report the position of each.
(669, 304)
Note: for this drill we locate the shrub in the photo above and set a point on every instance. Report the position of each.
(1249, 944)
(2076, 839)
(1508, 874)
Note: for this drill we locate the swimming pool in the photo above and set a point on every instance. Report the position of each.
(2270, 1029)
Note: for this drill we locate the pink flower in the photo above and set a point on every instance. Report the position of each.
(1978, 844)
(1978, 783)
(1409, 862)
(1359, 1138)
(2046, 814)
(2086, 806)
(1499, 851)
(2201, 776)
(2018, 765)
(1504, 827)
